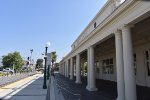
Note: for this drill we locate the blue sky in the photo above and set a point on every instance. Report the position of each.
(29, 24)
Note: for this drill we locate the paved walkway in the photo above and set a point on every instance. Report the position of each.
(107, 90)
(72, 91)
(26, 89)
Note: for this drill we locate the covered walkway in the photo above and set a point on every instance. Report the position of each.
(107, 90)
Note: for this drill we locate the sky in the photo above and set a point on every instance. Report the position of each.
(30, 24)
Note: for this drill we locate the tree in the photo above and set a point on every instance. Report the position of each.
(39, 63)
(53, 60)
(12, 59)
(54, 57)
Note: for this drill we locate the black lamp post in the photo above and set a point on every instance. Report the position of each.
(31, 51)
(31, 55)
(48, 74)
(44, 83)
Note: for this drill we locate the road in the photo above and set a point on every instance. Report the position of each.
(29, 88)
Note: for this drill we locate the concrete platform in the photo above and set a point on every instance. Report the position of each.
(30, 88)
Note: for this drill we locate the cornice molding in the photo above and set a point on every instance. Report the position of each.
(104, 23)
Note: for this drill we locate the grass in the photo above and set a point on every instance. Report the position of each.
(1, 74)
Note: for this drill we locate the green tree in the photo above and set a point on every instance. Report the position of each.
(12, 59)
(39, 63)
(54, 57)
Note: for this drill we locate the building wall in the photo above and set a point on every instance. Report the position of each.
(101, 75)
(120, 17)
(141, 71)
(141, 66)
(129, 13)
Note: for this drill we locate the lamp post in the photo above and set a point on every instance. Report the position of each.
(48, 64)
(31, 51)
(44, 83)
(48, 74)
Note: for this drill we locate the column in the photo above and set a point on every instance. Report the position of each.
(64, 69)
(67, 74)
(71, 69)
(119, 66)
(88, 69)
(129, 77)
(91, 75)
(78, 72)
(61, 69)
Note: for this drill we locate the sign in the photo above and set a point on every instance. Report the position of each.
(49, 59)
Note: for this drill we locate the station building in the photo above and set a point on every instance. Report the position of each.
(114, 46)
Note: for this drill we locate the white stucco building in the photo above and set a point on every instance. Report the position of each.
(115, 46)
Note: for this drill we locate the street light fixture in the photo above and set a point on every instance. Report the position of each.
(44, 83)
(31, 51)
(48, 65)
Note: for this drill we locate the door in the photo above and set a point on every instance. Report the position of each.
(104, 70)
(97, 71)
(147, 66)
(108, 75)
(107, 69)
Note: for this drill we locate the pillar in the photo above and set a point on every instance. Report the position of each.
(91, 75)
(64, 69)
(119, 65)
(71, 69)
(78, 71)
(129, 77)
(65, 64)
(67, 71)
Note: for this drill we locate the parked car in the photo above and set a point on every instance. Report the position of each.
(8, 70)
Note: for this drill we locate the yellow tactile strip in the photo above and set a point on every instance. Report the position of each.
(10, 88)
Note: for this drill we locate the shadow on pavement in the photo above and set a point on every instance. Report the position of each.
(78, 91)
(107, 90)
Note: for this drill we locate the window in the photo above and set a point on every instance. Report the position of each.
(119, 2)
(147, 62)
(147, 55)
(135, 65)
(122, 1)
(108, 66)
(95, 25)
(104, 68)
(111, 66)
(97, 67)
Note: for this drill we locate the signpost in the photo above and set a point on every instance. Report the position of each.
(49, 58)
